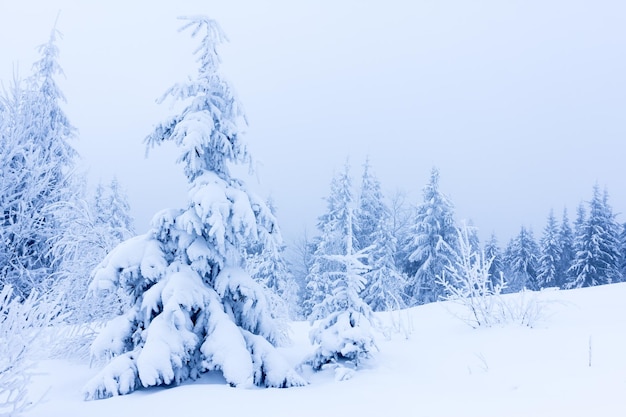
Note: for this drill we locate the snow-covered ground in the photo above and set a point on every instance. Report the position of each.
(571, 363)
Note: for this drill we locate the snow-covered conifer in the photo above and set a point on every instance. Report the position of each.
(431, 244)
(492, 252)
(549, 254)
(384, 284)
(581, 218)
(333, 227)
(521, 262)
(474, 239)
(36, 161)
(300, 259)
(613, 230)
(344, 331)
(112, 209)
(596, 245)
(370, 208)
(268, 266)
(566, 248)
(194, 307)
(401, 219)
(384, 290)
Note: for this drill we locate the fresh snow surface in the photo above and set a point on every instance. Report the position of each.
(429, 364)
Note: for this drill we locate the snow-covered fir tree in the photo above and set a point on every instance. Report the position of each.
(472, 234)
(344, 330)
(36, 161)
(384, 283)
(613, 232)
(112, 208)
(579, 225)
(400, 223)
(549, 254)
(268, 266)
(431, 244)
(370, 208)
(596, 245)
(493, 254)
(521, 260)
(300, 260)
(194, 307)
(581, 218)
(566, 249)
(333, 227)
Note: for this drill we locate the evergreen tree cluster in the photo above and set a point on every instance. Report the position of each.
(404, 262)
(407, 248)
(361, 224)
(590, 253)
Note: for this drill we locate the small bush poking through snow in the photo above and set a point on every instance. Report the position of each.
(467, 282)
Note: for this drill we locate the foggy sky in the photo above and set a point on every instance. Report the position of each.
(520, 104)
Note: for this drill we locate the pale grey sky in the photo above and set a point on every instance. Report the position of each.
(520, 104)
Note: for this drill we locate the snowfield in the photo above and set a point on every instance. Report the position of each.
(430, 363)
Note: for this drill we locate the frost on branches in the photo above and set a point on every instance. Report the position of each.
(36, 160)
(467, 281)
(194, 307)
(23, 325)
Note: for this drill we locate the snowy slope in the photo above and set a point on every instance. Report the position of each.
(443, 368)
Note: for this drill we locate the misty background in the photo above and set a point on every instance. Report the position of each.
(519, 104)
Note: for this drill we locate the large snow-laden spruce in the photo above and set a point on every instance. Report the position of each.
(194, 307)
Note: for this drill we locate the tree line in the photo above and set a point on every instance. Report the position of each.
(408, 248)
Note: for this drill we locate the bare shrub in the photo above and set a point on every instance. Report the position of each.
(467, 282)
(23, 327)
